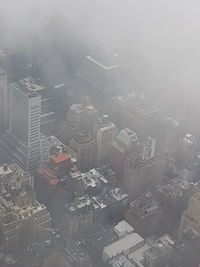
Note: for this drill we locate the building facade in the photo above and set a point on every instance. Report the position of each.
(105, 135)
(125, 143)
(3, 101)
(83, 148)
(22, 219)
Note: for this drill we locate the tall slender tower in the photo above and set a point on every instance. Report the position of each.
(106, 134)
(3, 101)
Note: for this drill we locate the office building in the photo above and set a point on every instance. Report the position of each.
(190, 220)
(125, 143)
(11, 64)
(126, 245)
(23, 139)
(180, 162)
(175, 194)
(79, 216)
(160, 251)
(47, 114)
(145, 215)
(80, 117)
(135, 111)
(83, 149)
(122, 260)
(24, 142)
(171, 132)
(140, 174)
(93, 201)
(3, 102)
(99, 76)
(22, 219)
(105, 135)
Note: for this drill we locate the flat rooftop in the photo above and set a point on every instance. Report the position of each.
(121, 260)
(124, 244)
(103, 66)
(60, 157)
(101, 238)
(29, 86)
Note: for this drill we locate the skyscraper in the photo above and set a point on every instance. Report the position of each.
(22, 142)
(83, 148)
(80, 117)
(105, 135)
(99, 76)
(190, 220)
(3, 101)
(125, 143)
(140, 174)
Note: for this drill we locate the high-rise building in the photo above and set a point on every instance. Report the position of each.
(22, 142)
(47, 114)
(25, 122)
(80, 117)
(190, 220)
(145, 215)
(125, 143)
(3, 101)
(105, 135)
(140, 174)
(99, 76)
(135, 111)
(83, 148)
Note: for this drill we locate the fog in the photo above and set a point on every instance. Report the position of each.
(161, 37)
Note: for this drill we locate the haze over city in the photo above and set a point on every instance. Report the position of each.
(99, 133)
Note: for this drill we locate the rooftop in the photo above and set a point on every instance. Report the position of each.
(173, 190)
(80, 204)
(29, 87)
(123, 226)
(30, 84)
(160, 246)
(92, 178)
(145, 205)
(156, 252)
(129, 132)
(121, 260)
(137, 161)
(60, 157)
(11, 168)
(108, 197)
(101, 238)
(124, 244)
(138, 106)
(138, 254)
(102, 65)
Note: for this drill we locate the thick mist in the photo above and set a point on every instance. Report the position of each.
(161, 38)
